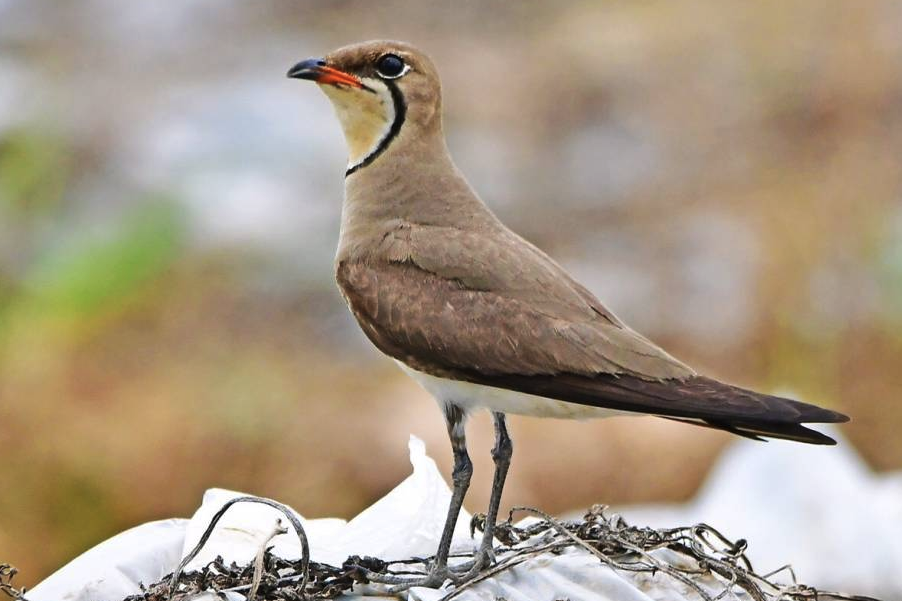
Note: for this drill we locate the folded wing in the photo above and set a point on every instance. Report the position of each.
(555, 345)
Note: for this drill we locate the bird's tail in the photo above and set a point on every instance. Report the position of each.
(781, 418)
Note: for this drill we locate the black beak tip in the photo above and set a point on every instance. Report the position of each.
(306, 69)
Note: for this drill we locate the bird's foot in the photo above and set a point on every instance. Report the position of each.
(435, 578)
(485, 558)
(437, 575)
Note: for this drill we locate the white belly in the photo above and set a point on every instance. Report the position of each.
(470, 396)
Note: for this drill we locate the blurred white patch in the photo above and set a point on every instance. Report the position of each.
(713, 279)
(842, 294)
(820, 508)
(489, 158)
(246, 207)
(606, 160)
(141, 25)
(611, 266)
(247, 158)
(695, 279)
(16, 85)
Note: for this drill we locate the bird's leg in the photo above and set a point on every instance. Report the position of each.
(460, 477)
(501, 454)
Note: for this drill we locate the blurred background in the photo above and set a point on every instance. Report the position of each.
(726, 176)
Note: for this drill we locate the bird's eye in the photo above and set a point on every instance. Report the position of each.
(391, 66)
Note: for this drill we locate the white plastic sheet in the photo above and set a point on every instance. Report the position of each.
(116, 567)
(771, 494)
(405, 522)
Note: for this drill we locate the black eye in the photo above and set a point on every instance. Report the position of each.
(390, 66)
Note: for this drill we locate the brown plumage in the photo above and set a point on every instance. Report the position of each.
(551, 348)
(477, 314)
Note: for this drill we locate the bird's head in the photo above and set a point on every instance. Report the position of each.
(380, 90)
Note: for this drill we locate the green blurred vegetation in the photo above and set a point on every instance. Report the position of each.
(88, 279)
(35, 169)
(68, 294)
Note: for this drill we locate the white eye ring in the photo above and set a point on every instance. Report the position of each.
(401, 74)
(405, 68)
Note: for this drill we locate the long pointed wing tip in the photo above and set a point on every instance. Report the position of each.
(841, 418)
(823, 416)
(815, 437)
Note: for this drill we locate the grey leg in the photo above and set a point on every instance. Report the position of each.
(463, 470)
(460, 477)
(501, 453)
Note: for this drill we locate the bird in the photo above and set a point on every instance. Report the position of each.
(477, 315)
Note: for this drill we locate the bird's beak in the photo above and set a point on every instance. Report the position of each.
(316, 69)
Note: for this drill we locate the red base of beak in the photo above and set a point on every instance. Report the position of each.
(315, 69)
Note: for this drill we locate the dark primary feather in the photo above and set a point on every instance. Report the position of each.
(697, 400)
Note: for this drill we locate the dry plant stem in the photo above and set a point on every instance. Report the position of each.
(702, 552)
(734, 550)
(298, 528)
(697, 543)
(607, 560)
(785, 568)
(7, 573)
(501, 567)
(258, 560)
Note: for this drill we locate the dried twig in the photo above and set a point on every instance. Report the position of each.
(258, 560)
(7, 573)
(707, 555)
(289, 514)
(500, 567)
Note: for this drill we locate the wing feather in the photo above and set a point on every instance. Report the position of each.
(550, 338)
